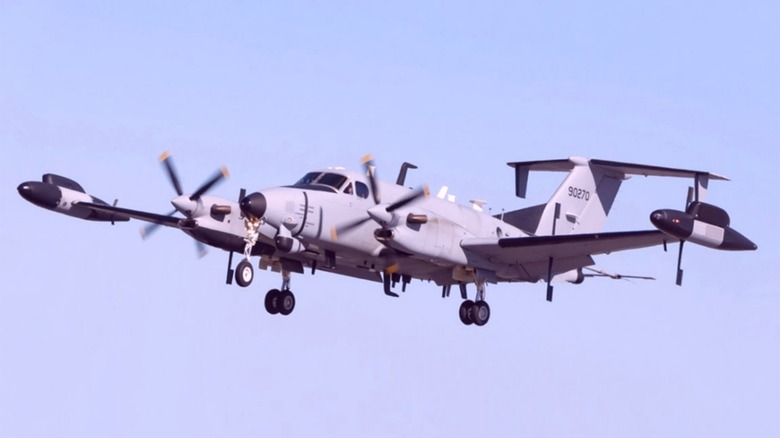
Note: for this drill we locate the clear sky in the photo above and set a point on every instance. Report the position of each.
(103, 334)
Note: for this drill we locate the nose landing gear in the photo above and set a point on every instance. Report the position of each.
(244, 273)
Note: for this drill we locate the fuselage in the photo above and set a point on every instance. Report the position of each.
(421, 238)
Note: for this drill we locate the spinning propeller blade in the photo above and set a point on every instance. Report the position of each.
(152, 227)
(218, 176)
(416, 194)
(165, 159)
(368, 165)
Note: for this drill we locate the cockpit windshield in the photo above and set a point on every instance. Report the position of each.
(332, 180)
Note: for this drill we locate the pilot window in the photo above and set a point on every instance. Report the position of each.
(308, 179)
(332, 180)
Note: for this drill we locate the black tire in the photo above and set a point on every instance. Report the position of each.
(480, 313)
(272, 299)
(465, 312)
(286, 302)
(244, 273)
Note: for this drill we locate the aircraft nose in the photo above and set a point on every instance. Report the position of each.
(40, 194)
(254, 205)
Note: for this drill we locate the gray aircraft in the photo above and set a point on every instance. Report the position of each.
(351, 223)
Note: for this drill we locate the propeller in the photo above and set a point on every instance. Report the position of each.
(181, 203)
(381, 213)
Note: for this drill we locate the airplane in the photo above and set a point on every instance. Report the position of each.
(351, 223)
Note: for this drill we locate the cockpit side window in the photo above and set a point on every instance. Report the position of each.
(361, 190)
(348, 189)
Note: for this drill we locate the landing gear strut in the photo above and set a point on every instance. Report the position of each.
(244, 271)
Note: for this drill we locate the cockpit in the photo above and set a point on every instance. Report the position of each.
(333, 182)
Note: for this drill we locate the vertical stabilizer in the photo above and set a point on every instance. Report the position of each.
(585, 197)
(582, 201)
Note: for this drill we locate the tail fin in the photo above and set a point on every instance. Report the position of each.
(582, 202)
(584, 199)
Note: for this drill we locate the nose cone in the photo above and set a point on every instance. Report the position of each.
(41, 194)
(658, 217)
(254, 205)
(185, 205)
(673, 222)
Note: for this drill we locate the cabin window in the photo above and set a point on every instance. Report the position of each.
(361, 190)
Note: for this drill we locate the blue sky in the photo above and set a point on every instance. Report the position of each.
(102, 333)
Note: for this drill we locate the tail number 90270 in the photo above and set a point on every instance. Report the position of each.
(578, 193)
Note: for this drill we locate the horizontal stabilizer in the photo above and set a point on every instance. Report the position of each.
(522, 168)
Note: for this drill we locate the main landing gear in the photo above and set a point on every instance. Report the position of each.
(475, 312)
(280, 301)
(276, 301)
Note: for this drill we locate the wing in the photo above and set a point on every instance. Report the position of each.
(169, 221)
(535, 251)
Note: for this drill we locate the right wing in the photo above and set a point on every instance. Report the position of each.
(529, 256)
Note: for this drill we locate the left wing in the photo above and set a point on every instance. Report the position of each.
(169, 221)
(534, 249)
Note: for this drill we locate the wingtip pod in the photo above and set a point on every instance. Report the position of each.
(65, 196)
(704, 224)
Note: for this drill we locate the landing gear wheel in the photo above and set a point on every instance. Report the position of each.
(272, 301)
(244, 273)
(480, 313)
(286, 302)
(466, 312)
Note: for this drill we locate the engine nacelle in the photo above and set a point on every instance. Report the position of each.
(702, 223)
(62, 195)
